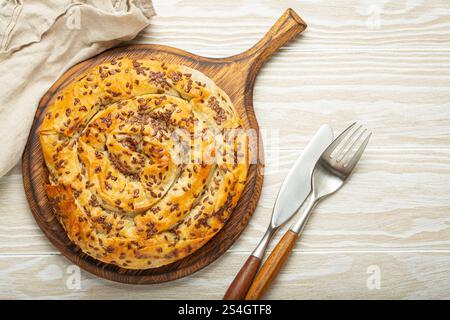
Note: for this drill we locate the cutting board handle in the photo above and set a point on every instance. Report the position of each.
(287, 27)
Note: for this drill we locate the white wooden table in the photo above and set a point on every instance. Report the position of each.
(386, 234)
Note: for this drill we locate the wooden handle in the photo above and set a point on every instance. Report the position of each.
(239, 287)
(286, 28)
(272, 266)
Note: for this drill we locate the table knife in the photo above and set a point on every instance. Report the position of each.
(293, 192)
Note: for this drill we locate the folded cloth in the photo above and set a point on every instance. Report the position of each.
(39, 40)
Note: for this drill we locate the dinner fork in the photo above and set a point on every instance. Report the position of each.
(330, 173)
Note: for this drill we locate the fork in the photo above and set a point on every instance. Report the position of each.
(330, 173)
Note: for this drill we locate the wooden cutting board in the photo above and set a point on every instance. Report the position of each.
(236, 76)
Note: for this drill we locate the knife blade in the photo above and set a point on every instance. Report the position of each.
(293, 192)
(297, 184)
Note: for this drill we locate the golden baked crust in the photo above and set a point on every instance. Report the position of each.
(139, 177)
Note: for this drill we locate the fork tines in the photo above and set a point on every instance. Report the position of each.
(348, 147)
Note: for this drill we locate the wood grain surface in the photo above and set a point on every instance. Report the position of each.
(383, 63)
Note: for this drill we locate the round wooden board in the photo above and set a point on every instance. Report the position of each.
(236, 76)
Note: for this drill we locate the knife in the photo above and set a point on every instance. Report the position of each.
(293, 192)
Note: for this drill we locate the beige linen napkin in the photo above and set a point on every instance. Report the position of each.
(40, 40)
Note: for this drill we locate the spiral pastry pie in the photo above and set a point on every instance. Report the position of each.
(146, 161)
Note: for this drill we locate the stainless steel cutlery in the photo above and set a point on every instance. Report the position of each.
(293, 192)
(331, 171)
